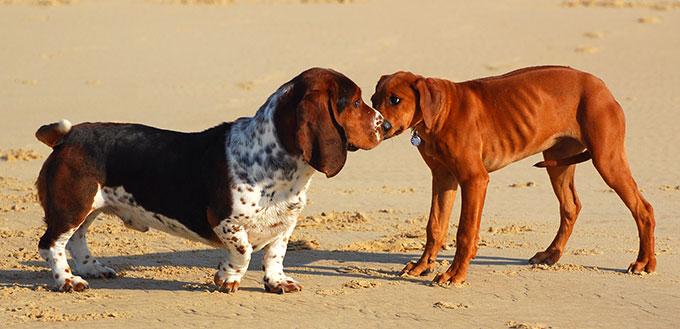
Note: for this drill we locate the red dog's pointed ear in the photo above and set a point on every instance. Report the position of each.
(322, 143)
(382, 78)
(430, 100)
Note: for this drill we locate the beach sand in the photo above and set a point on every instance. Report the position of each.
(189, 65)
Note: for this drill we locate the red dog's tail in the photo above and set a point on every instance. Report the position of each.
(574, 159)
(52, 133)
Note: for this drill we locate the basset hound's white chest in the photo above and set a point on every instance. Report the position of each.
(268, 184)
(265, 214)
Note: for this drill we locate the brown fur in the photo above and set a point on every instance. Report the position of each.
(67, 199)
(472, 128)
(325, 152)
(322, 137)
(51, 134)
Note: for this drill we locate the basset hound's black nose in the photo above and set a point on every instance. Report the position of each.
(386, 126)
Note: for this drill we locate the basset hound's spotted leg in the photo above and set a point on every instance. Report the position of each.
(272, 262)
(56, 257)
(86, 265)
(232, 269)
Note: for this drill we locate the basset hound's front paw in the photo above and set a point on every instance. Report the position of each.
(225, 285)
(283, 285)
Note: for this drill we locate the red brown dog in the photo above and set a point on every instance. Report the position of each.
(470, 129)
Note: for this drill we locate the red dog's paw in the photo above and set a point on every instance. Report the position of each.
(549, 257)
(638, 267)
(456, 273)
(449, 278)
(418, 268)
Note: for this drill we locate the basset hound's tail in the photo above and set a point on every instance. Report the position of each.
(574, 159)
(52, 133)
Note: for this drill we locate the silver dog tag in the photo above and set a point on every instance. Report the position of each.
(415, 140)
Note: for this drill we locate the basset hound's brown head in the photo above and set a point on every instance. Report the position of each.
(406, 99)
(322, 115)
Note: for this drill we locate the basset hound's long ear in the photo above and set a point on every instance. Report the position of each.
(430, 100)
(322, 141)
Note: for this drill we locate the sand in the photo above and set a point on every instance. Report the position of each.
(189, 65)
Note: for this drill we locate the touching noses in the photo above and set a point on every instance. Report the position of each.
(386, 126)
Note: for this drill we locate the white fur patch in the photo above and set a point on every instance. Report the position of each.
(268, 194)
(267, 198)
(379, 119)
(134, 216)
(64, 126)
(56, 258)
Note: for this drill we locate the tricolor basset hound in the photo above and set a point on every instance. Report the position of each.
(239, 186)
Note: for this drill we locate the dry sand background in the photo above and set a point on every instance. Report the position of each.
(187, 65)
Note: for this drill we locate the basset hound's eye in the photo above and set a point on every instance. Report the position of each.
(356, 104)
(394, 100)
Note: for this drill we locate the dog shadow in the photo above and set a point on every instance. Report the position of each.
(296, 262)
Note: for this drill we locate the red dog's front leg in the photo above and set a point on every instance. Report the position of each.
(444, 185)
(473, 194)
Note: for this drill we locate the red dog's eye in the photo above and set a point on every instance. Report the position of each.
(356, 104)
(394, 100)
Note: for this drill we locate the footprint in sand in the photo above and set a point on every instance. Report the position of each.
(594, 35)
(247, 85)
(197, 2)
(584, 252)
(526, 325)
(587, 50)
(14, 208)
(376, 273)
(303, 244)
(54, 3)
(352, 284)
(660, 5)
(29, 82)
(450, 306)
(360, 284)
(527, 184)
(394, 190)
(512, 229)
(11, 155)
(669, 188)
(331, 292)
(649, 20)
